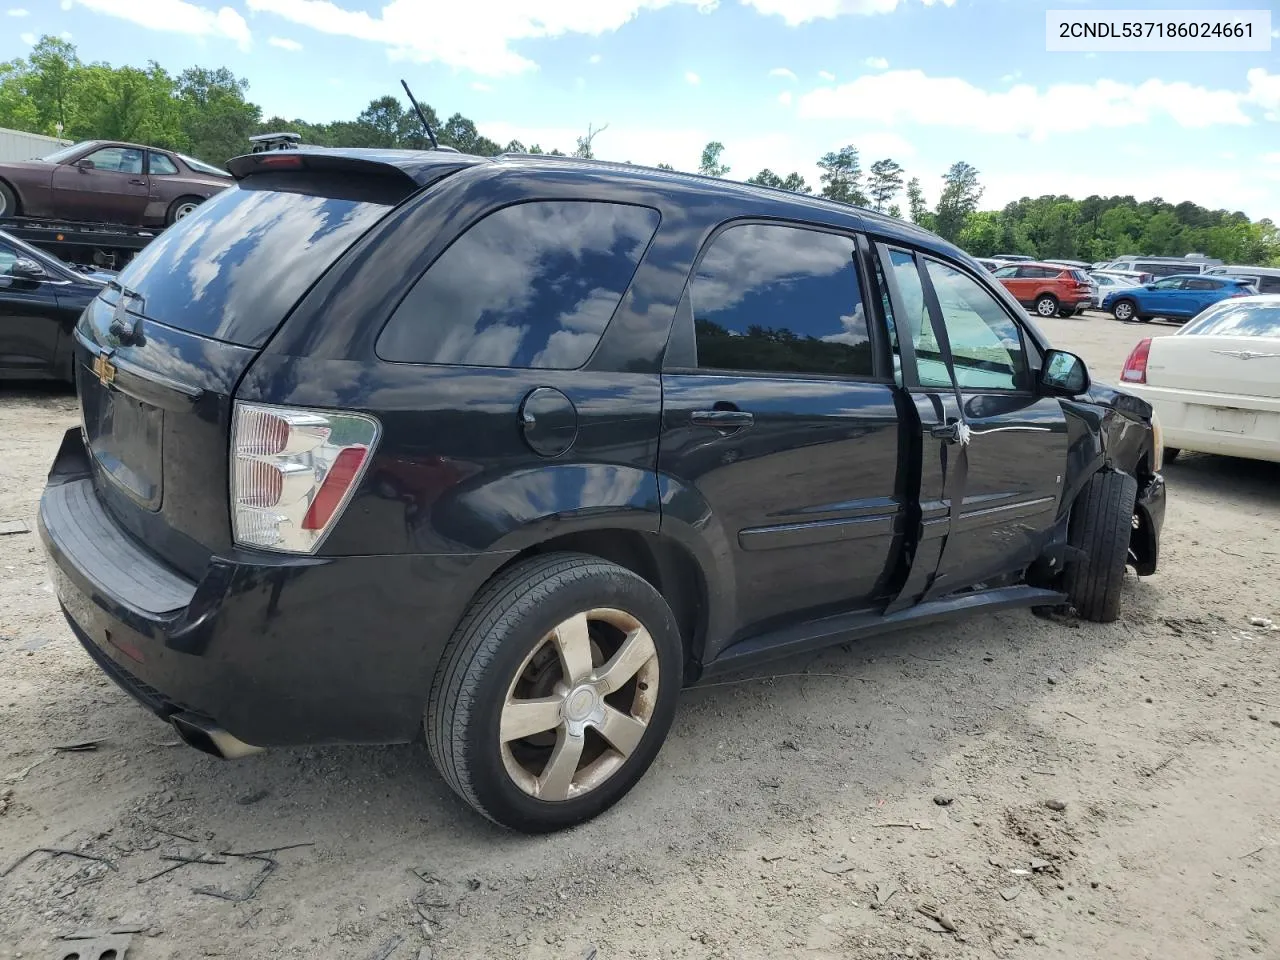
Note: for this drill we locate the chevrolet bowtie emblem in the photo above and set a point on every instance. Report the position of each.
(104, 369)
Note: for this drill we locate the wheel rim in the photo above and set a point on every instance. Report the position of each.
(1046, 308)
(4, 205)
(184, 210)
(579, 705)
(1124, 311)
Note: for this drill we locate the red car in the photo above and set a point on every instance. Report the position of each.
(1049, 289)
(108, 182)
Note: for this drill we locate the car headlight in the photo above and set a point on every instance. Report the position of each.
(1157, 437)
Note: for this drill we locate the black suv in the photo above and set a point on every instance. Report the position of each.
(510, 450)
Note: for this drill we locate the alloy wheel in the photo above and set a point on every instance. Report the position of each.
(1046, 307)
(579, 705)
(1123, 310)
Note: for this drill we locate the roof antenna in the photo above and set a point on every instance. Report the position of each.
(421, 116)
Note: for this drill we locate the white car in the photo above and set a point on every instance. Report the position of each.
(1215, 384)
(1105, 280)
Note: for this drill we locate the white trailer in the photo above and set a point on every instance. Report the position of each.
(16, 145)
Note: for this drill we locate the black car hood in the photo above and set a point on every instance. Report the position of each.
(1105, 395)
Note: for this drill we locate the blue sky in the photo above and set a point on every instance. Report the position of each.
(779, 82)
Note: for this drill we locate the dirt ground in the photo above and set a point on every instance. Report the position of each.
(799, 814)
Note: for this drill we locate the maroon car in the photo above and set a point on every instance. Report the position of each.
(107, 182)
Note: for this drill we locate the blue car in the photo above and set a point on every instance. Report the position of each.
(1179, 297)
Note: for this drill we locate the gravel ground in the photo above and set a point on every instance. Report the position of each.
(1042, 788)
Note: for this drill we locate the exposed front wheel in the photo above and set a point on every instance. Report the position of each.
(555, 692)
(1122, 310)
(1047, 306)
(1101, 526)
(8, 202)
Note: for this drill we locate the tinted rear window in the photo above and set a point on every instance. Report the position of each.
(531, 285)
(1238, 320)
(234, 268)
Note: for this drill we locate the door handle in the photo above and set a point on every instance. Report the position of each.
(954, 432)
(722, 419)
(140, 183)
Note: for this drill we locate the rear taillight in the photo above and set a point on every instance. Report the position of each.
(292, 472)
(1135, 368)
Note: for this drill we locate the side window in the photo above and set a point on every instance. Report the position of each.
(1169, 284)
(1269, 285)
(117, 159)
(531, 285)
(1005, 273)
(161, 165)
(986, 344)
(1203, 285)
(908, 280)
(7, 259)
(780, 299)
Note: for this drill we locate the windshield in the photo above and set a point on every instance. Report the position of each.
(199, 166)
(63, 155)
(1237, 320)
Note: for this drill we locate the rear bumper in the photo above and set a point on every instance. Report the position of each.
(272, 650)
(1199, 421)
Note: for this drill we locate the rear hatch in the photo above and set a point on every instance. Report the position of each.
(161, 350)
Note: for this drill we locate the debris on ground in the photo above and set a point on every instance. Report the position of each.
(1058, 805)
(943, 800)
(56, 852)
(1265, 622)
(95, 946)
(84, 746)
(13, 526)
(1011, 893)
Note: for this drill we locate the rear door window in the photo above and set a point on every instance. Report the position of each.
(531, 285)
(233, 272)
(160, 164)
(780, 299)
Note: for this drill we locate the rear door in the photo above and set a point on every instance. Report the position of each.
(987, 504)
(1166, 299)
(114, 189)
(780, 419)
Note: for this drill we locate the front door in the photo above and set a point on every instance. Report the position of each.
(108, 185)
(29, 320)
(1166, 299)
(780, 430)
(988, 502)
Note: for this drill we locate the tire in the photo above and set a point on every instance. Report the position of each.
(1101, 525)
(182, 207)
(1046, 305)
(1171, 454)
(507, 650)
(1123, 310)
(8, 201)
(1145, 319)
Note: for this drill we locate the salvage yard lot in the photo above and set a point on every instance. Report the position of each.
(790, 814)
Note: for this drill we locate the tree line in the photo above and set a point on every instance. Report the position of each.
(205, 112)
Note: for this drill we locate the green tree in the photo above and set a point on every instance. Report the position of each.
(665, 166)
(841, 176)
(917, 209)
(710, 165)
(960, 195)
(766, 178)
(795, 183)
(215, 117)
(885, 183)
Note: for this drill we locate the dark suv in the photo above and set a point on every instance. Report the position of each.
(511, 450)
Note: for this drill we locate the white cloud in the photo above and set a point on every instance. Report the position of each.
(692, 78)
(479, 87)
(18, 12)
(827, 75)
(1264, 91)
(284, 43)
(593, 59)
(65, 4)
(1010, 77)
(911, 96)
(477, 37)
(784, 98)
(175, 16)
(65, 35)
(880, 144)
(797, 12)
(877, 63)
(784, 73)
(28, 38)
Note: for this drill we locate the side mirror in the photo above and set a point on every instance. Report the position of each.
(85, 164)
(1064, 374)
(27, 269)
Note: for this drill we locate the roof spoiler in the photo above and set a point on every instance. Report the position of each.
(410, 169)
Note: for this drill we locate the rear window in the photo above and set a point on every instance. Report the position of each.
(234, 268)
(531, 285)
(1237, 320)
(1080, 276)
